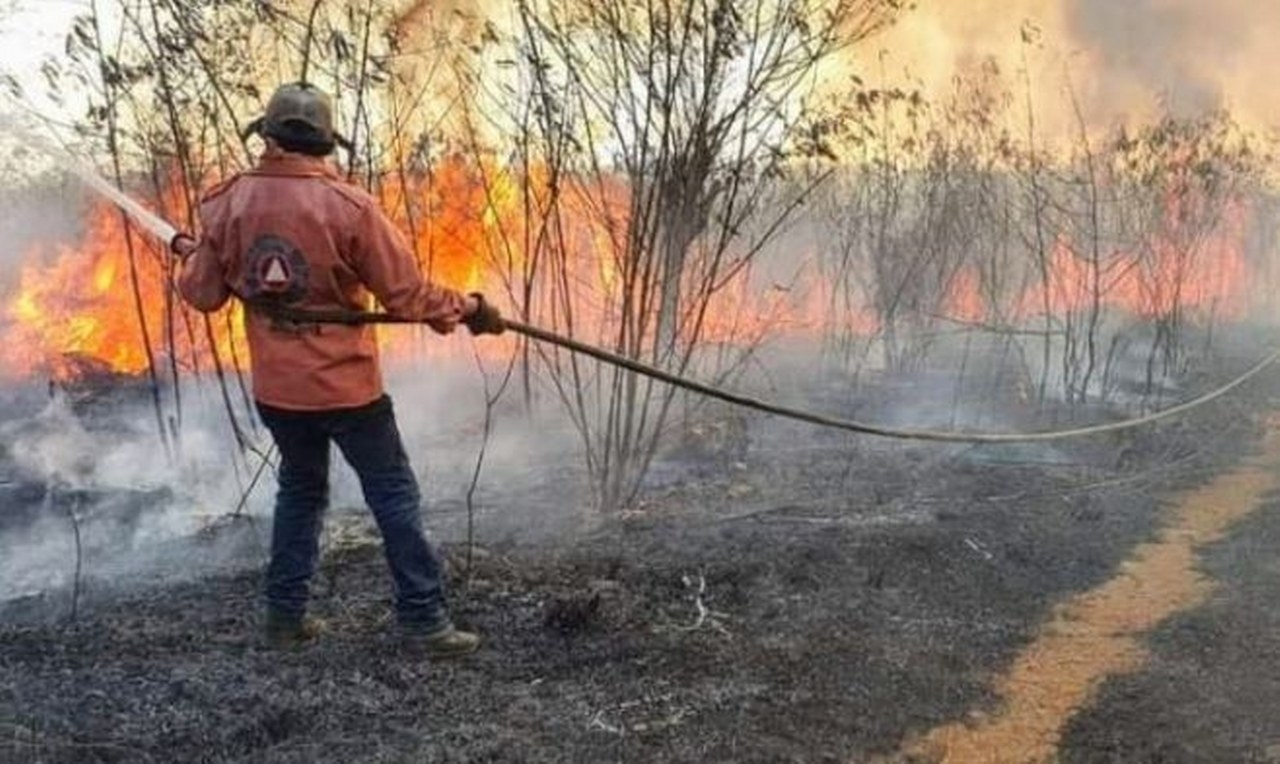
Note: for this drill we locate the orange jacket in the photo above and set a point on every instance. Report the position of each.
(291, 231)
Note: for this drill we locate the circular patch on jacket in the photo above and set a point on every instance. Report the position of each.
(275, 269)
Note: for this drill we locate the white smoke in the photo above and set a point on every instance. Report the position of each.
(143, 514)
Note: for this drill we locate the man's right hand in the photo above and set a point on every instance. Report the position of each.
(484, 318)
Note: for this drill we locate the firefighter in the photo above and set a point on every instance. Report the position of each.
(290, 232)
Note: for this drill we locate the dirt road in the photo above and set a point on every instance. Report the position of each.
(1101, 636)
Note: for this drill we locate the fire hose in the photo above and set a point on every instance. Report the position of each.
(167, 233)
(769, 407)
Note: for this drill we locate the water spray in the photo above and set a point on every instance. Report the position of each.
(151, 222)
(144, 217)
(168, 233)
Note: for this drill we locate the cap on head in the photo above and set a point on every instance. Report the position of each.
(299, 117)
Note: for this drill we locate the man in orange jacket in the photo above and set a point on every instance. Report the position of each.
(290, 233)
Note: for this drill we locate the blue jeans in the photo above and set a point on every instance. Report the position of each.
(370, 442)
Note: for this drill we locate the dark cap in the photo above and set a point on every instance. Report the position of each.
(300, 103)
(299, 116)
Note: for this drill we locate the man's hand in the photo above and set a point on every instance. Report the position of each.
(481, 317)
(184, 245)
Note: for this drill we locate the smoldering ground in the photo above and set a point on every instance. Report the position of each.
(145, 516)
(94, 502)
(811, 595)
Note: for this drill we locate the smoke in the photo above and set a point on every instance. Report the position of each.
(1125, 62)
(144, 516)
(96, 458)
(42, 205)
(1185, 53)
(35, 216)
(1121, 62)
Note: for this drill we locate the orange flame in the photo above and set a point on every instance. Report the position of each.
(75, 309)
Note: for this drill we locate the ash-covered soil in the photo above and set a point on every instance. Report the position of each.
(811, 597)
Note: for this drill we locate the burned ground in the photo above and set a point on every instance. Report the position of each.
(815, 597)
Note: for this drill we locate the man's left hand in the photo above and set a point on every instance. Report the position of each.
(484, 318)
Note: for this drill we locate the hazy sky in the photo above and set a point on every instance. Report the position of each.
(37, 28)
(1125, 58)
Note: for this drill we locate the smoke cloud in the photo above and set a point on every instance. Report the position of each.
(1125, 61)
(1196, 56)
(93, 451)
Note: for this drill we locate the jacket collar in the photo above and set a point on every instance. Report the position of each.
(276, 161)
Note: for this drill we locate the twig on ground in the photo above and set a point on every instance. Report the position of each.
(977, 547)
(655, 712)
(598, 723)
(697, 601)
(705, 615)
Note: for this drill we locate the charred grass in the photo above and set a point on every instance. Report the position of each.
(819, 598)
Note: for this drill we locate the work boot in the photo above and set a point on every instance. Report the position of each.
(444, 642)
(287, 632)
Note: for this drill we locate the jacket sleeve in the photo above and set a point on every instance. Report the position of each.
(386, 265)
(203, 282)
